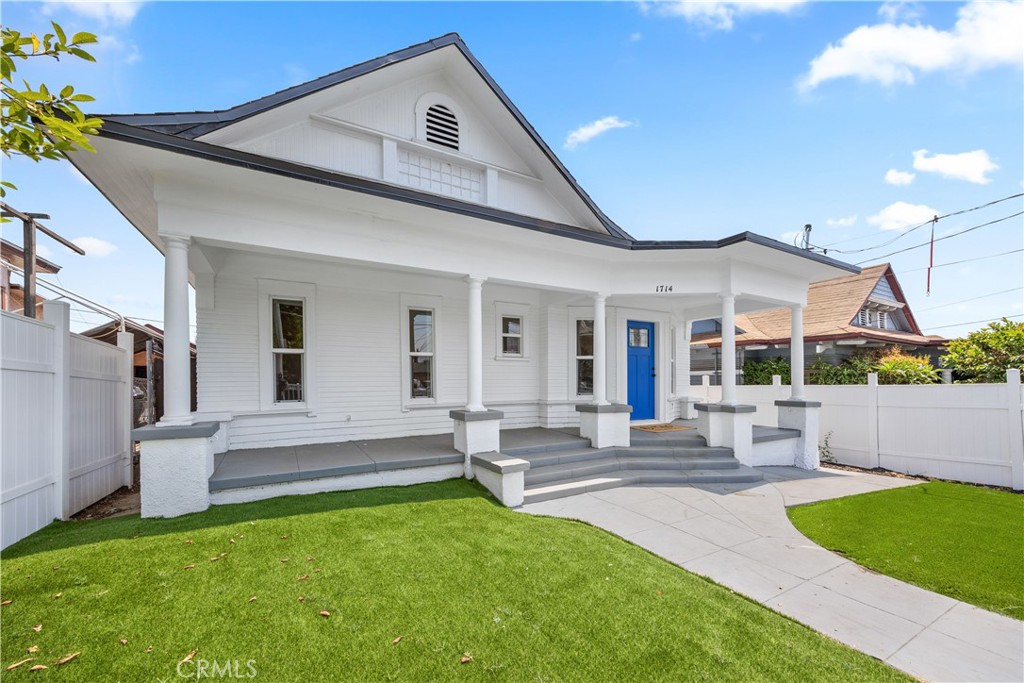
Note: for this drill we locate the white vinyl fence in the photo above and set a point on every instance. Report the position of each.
(964, 432)
(66, 418)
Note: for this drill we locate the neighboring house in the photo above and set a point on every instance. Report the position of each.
(144, 333)
(12, 294)
(392, 250)
(843, 315)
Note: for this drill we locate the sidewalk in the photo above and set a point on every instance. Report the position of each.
(738, 535)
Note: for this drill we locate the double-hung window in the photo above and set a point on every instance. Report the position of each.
(287, 339)
(421, 353)
(584, 357)
(288, 349)
(511, 335)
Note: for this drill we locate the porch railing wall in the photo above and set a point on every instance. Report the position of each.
(66, 410)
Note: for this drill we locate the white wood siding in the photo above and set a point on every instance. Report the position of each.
(359, 355)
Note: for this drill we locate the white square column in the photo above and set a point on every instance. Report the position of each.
(604, 423)
(175, 468)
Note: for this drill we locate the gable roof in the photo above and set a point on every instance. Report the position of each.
(15, 255)
(832, 308)
(192, 125)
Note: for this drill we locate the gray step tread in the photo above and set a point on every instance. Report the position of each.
(576, 486)
(631, 462)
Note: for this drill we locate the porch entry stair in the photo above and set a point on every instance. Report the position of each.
(566, 465)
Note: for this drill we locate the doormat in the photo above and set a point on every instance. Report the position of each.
(664, 427)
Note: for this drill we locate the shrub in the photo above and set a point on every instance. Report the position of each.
(986, 354)
(897, 367)
(853, 370)
(761, 371)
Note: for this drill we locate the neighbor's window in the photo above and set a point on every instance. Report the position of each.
(511, 335)
(288, 349)
(584, 357)
(421, 353)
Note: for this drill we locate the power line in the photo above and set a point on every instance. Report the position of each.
(966, 260)
(939, 239)
(963, 301)
(916, 227)
(975, 322)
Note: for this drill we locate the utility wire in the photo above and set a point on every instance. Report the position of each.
(966, 260)
(963, 301)
(975, 322)
(910, 230)
(939, 239)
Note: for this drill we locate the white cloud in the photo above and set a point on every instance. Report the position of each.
(902, 215)
(970, 166)
(894, 177)
(94, 246)
(986, 35)
(592, 130)
(110, 12)
(841, 222)
(44, 251)
(900, 10)
(718, 14)
(636, 37)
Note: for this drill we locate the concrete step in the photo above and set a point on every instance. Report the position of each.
(569, 443)
(580, 468)
(587, 484)
(763, 434)
(546, 458)
(688, 438)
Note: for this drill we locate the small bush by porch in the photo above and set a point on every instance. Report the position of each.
(441, 565)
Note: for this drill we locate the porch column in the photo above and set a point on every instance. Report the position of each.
(177, 374)
(475, 349)
(684, 335)
(729, 349)
(796, 352)
(600, 355)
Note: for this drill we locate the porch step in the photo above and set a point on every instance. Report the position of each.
(566, 444)
(627, 459)
(587, 484)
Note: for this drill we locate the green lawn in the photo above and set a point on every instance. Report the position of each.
(440, 565)
(962, 541)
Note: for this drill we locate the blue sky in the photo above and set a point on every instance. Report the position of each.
(691, 120)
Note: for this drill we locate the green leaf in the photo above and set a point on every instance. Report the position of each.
(82, 54)
(66, 92)
(59, 31)
(83, 38)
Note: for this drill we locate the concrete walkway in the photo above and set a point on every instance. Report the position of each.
(739, 535)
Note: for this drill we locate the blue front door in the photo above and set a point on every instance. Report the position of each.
(640, 373)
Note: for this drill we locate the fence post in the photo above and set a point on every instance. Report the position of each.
(705, 385)
(874, 455)
(58, 314)
(1016, 428)
(126, 342)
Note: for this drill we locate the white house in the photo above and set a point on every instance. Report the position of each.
(392, 250)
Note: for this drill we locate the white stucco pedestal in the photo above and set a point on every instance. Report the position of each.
(476, 431)
(605, 425)
(175, 468)
(802, 415)
(502, 475)
(730, 426)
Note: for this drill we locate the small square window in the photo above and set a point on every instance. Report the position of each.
(638, 338)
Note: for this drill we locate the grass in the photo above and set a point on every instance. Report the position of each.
(962, 541)
(440, 565)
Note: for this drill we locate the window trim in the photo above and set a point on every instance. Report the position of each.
(506, 309)
(574, 346)
(414, 302)
(268, 290)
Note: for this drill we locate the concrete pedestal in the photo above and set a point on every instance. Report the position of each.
(476, 431)
(605, 425)
(175, 468)
(503, 476)
(731, 426)
(802, 415)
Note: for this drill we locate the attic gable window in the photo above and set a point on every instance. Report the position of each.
(442, 127)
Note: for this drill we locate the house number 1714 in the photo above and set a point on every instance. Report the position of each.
(663, 288)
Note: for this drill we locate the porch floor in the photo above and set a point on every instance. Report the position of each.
(281, 464)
